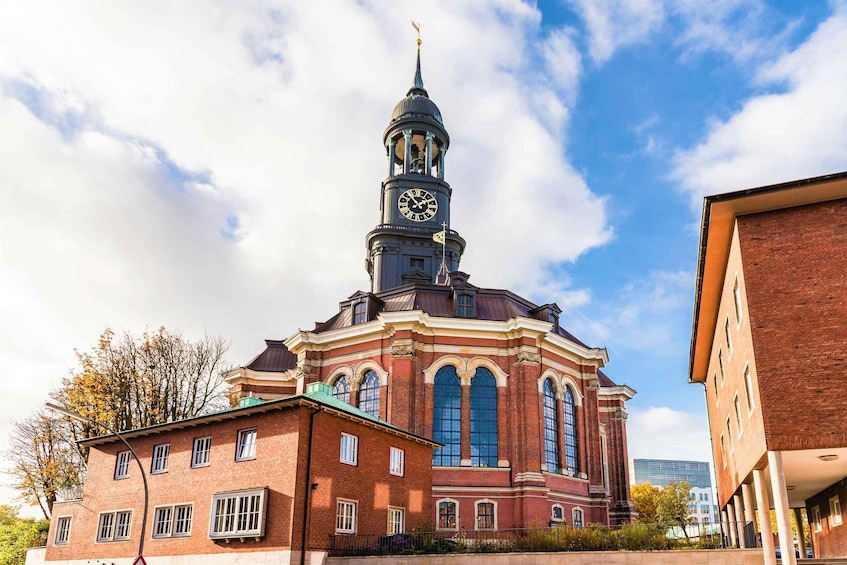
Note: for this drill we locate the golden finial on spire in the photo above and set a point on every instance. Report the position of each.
(417, 27)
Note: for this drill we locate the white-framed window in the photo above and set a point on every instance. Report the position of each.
(720, 366)
(345, 516)
(817, 523)
(173, 521)
(486, 514)
(578, 518)
(238, 514)
(63, 530)
(349, 449)
(397, 461)
(728, 336)
(200, 451)
(748, 386)
(729, 435)
(122, 464)
(246, 446)
(737, 405)
(396, 520)
(835, 511)
(160, 458)
(114, 526)
(557, 513)
(723, 451)
(736, 297)
(715, 386)
(448, 514)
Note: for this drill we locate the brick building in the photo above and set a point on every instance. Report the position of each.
(769, 343)
(533, 432)
(251, 485)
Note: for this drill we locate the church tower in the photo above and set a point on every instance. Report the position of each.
(415, 199)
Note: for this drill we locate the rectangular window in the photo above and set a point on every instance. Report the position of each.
(720, 365)
(200, 452)
(446, 515)
(114, 526)
(835, 510)
(485, 516)
(122, 464)
(817, 524)
(737, 406)
(349, 448)
(63, 531)
(238, 514)
(748, 386)
(396, 520)
(160, 458)
(397, 461)
(360, 313)
(715, 386)
(416, 264)
(723, 451)
(345, 517)
(729, 435)
(172, 521)
(728, 337)
(736, 295)
(465, 306)
(246, 445)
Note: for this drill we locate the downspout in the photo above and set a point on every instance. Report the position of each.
(308, 497)
(716, 494)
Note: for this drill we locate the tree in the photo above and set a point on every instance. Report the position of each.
(673, 503)
(127, 382)
(123, 383)
(19, 534)
(645, 499)
(44, 459)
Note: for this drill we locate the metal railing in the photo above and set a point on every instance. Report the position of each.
(633, 537)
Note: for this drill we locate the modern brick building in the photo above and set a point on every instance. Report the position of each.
(769, 343)
(254, 485)
(533, 432)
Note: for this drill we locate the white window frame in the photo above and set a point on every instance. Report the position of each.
(835, 511)
(723, 451)
(728, 331)
(817, 523)
(455, 504)
(159, 461)
(206, 452)
(63, 530)
(715, 383)
(245, 450)
(234, 509)
(172, 512)
(736, 297)
(476, 514)
(396, 520)
(561, 509)
(721, 367)
(122, 461)
(119, 526)
(736, 403)
(748, 386)
(397, 461)
(346, 511)
(349, 449)
(581, 513)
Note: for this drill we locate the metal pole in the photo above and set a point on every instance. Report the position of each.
(78, 416)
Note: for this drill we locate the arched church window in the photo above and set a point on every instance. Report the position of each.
(483, 419)
(571, 458)
(447, 417)
(369, 394)
(551, 428)
(340, 390)
(360, 313)
(465, 306)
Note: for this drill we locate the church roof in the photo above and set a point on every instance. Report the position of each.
(275, 358)
(417, 103)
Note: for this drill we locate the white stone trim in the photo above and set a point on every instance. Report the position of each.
(342, 370)
(371, 365)
(501, 376)
(443, 361)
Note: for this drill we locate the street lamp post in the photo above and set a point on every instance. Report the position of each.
(80, 417)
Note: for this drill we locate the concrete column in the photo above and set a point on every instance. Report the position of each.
(801, 537)
(764, 506)
(780, 503)
(749, 509)
(725, 526)
(738, 503)
(733, 525)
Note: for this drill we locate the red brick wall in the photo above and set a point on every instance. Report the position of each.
(795, 266)
(831, 541)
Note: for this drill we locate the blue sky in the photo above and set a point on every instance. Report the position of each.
(215, 167)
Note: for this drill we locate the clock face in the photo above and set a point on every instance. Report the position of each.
(417, 204)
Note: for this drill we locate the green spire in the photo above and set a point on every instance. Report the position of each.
(418, 87)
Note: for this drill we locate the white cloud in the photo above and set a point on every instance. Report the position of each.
(661, 432)
(613, 24)
(206, 166)
(796, 133)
